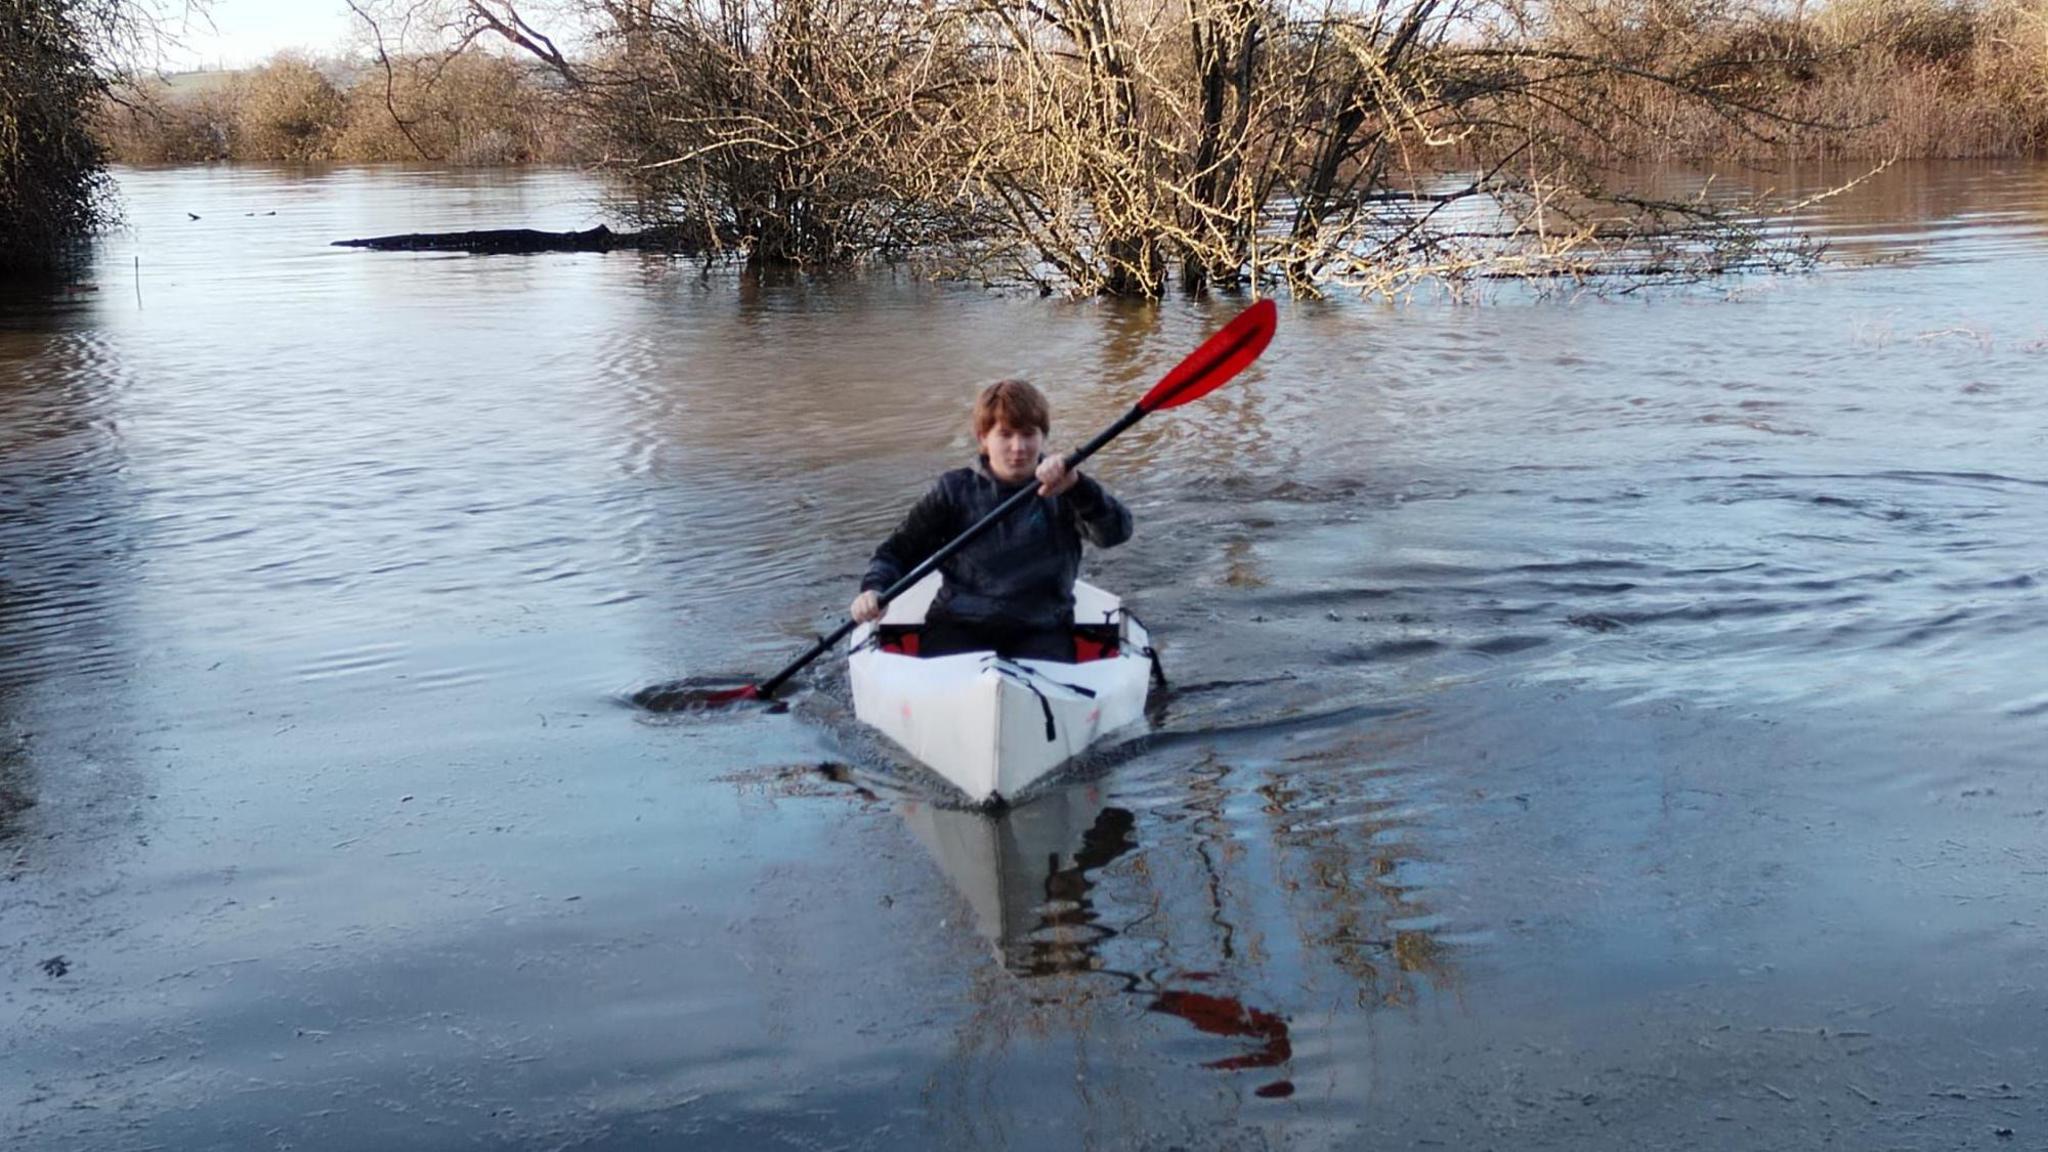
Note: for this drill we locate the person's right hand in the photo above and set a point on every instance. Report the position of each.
(867, 607)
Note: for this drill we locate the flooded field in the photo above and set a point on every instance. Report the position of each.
(1597, 721)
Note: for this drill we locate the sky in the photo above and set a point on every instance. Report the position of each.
(244, 32)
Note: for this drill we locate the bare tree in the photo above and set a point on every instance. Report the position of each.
(1363, 142)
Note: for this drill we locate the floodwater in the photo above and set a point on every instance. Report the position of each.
(1598, 721)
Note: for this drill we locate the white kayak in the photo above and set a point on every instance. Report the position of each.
(993, 727)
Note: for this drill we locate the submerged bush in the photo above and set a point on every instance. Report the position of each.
(471, 110)
(287, 110)
(154, 123)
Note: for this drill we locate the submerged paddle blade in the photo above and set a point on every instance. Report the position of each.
(692, 695)
(1218, 359)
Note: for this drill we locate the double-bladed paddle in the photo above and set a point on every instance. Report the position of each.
(1219, 358)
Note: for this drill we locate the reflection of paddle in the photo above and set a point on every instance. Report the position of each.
(1218, 359)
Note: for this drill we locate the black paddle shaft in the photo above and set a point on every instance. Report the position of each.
(767, 689)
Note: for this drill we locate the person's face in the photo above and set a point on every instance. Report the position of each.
(1012, 452)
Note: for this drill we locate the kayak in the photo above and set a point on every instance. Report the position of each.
(993, 727)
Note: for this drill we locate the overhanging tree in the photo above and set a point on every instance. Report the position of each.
(52, 170)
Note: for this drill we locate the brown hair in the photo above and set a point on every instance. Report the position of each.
(1012, 402)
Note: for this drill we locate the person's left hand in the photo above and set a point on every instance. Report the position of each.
(1053, 477)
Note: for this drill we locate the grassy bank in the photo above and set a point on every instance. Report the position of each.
(472, 110)
(1850, 79)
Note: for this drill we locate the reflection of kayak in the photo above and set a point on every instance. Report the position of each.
(1026, 871)
(1030, 874)
(993, 727)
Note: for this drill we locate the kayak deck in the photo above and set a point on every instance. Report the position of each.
(992, 727)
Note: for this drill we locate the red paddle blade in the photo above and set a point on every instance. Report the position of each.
(693, 694)
(1218, 359)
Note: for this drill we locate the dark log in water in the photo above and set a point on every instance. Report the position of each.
(502, 241)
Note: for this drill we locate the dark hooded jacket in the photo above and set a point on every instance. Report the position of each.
(1020, 573)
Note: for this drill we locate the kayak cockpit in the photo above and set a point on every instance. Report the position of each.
(1091, 641)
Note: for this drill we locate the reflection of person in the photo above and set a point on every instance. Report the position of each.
(1011, 590)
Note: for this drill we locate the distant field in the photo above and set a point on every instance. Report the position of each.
(196, 83)
(214, 80)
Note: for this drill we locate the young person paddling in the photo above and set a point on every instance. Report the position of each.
(1012, 590)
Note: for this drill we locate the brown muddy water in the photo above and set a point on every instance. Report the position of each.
(1600, 722)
